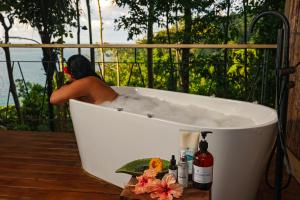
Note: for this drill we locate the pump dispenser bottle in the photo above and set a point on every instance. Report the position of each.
(203, 165)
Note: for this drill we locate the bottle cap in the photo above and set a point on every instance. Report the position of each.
(204, 134)
(182, 156)
(173, 160)
(203, 145)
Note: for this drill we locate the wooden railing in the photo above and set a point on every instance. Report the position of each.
(164, 46)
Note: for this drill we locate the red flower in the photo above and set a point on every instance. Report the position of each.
(144, 181)
(166, 188)
(66, 71)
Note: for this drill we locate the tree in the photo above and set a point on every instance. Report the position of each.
(51, 19)
(187, 7)
(226, 39)
(101, 38)
(78, 23)
(6, 11)
(184, 68)
(92, 51)
(166, 9)
(141, 18)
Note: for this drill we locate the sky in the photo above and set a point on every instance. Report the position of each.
(110, 35)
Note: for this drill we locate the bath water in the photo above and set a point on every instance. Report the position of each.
(189, 114)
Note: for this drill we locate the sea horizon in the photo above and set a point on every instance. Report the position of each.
(31, 66)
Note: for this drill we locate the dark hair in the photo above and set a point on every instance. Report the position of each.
(80, 67)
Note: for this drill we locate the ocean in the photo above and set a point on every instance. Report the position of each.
(30, 63)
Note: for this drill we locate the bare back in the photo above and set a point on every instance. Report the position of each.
(89, 89)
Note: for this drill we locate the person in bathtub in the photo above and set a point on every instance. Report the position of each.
(84, 84)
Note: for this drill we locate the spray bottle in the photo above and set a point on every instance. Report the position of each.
(203, 165)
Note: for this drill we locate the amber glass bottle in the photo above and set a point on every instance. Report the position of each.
(203, 165)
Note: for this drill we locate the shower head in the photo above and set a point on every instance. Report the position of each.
(275, 13)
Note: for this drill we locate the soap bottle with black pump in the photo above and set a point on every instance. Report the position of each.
(173, 168)
(203, 165)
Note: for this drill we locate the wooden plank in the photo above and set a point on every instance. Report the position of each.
(293, 125)
(39, 155)
(12, 193)
(46, 166)
(295, 165)
(47, 176)
(39, 161)
(64, 185)
(49, 150)
(41, 168)
(40, 134)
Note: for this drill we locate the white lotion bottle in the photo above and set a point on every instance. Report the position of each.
(183, 172)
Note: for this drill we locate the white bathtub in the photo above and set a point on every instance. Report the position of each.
(107, 139)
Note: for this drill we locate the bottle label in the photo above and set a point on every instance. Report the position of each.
(183, 174)
(202, 174)
(190, 158)
(173, 172)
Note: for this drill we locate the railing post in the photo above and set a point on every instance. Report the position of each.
(118, 68)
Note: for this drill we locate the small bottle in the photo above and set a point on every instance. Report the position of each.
(183, 170)
(203, 165)
(189, 159)
(173, 167)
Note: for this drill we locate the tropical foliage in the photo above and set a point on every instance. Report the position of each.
(231, 73)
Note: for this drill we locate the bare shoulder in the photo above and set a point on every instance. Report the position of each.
(88, 81)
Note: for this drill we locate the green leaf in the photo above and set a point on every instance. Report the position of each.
(137, 167)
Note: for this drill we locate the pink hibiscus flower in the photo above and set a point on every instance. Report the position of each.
(144, 181)
(166, 188)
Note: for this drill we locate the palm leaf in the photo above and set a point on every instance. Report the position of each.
(137, 167)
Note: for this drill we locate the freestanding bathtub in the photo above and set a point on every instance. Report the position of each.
(108, 139)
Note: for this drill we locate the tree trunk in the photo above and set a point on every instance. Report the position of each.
(186, 52)
(118, 67)
(12, 85)
(49, 64)
(223, 85)
(172, 82)
(177, 56)
(78, 25)
(293, 124)
(92, 51)
(150, 41)
(101, 39)
(245, 8)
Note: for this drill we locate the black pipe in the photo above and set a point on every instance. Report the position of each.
(282, 86)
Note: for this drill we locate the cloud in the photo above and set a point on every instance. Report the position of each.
(109, 13)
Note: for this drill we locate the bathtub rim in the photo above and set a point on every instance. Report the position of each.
(268, 109)
(189, 126)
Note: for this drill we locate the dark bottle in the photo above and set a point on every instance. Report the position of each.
(173, 168)
(203, 165)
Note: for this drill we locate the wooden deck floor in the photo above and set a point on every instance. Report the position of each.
(46, 166)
